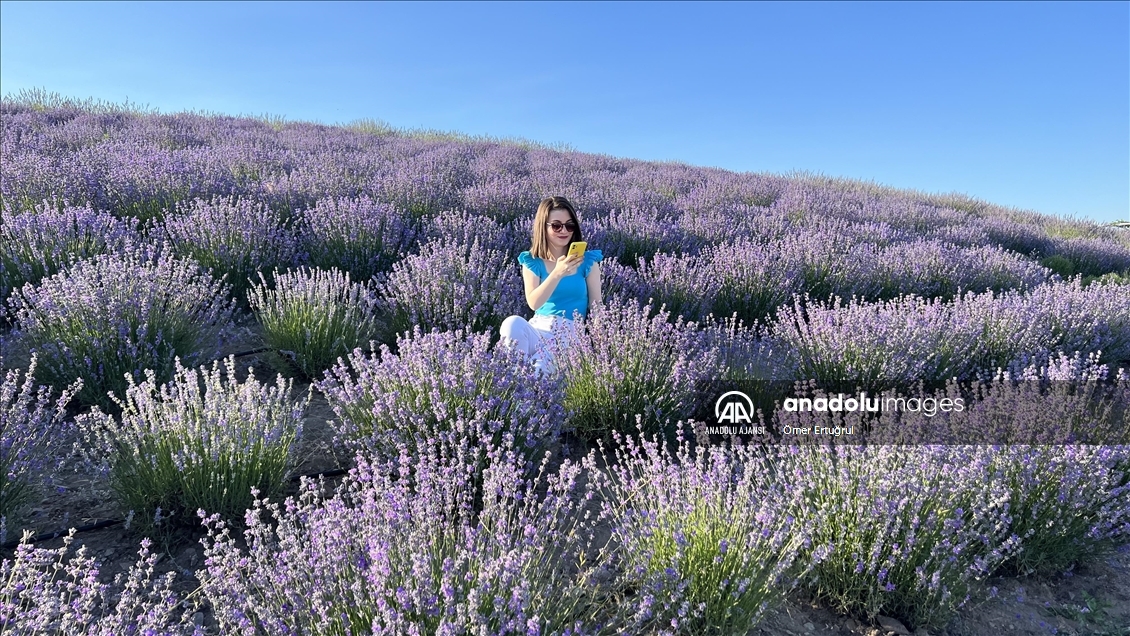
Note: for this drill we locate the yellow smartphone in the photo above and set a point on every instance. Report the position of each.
(577, 248)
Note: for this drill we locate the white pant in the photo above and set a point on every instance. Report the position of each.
(537, 336)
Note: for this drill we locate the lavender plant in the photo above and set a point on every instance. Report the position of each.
(1092, 256)
(754, 279)
(42, 591)
(750, 361)
(1067, 504)
(119, 314)
(359, 236)
(451, 285)
(875, 346)
(403, 551)
(706, 537)
(203, 441)
(236, 239)
(427, 180)
(147, 180)
(1060, 316)
(1052, 400)
(937, 270)
(313, 317)
(501, 197)
(629, 235)
(442, 386)
(629, 360)
(680, 284)
(34, 432)
(465, 228)
(40, 243)
(911, 529)
(898, 343)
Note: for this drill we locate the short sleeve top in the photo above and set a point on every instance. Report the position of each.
(571, 293)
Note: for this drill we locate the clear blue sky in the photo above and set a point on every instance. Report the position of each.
(1026, 105)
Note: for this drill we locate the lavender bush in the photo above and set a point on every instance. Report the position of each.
(750, 361)
(236, 239)
(629, 235)
(911, 529)
(897, 343)
(452, 285)
(42, 591)
(875, 346)
(40, 243)
(1092, 256)
(707, 537)
(34, 432)
(755, 279)
(628, 360)
(203, 441)
(452, 387)
(680, 284)
(119, 314)
(503, 198)
(464, 228)
(937, 270)
(426, 180)
(1062, 316)
(1051, 400)
(1067, 504)
(359, 236)
(146, 180)
(405, 552)
(313, 317)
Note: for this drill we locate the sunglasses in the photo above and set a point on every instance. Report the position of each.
(557, 226)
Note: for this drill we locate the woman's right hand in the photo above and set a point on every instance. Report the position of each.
(566, 266)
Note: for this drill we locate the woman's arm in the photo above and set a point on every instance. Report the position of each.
(593, 282)
(539, 291)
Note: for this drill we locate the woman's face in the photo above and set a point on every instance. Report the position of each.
(559, 239)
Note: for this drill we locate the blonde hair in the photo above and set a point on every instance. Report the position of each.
(539, 245)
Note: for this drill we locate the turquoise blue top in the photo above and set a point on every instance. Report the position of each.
(572, 293)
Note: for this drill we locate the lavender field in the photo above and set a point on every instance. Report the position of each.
(207, 320)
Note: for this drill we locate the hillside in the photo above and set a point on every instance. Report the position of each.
(373, 268)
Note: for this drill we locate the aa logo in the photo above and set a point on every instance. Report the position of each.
(734, 407)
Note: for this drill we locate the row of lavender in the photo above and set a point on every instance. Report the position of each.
(457, 519)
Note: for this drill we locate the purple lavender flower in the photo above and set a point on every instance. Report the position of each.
(706, 534)
(359, 236)
(410, 550)
(628, 360)
(909, 530)
(452, 285)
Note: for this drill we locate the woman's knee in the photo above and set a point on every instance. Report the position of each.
(511, 326)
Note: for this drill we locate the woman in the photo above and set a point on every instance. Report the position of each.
(558, 287)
